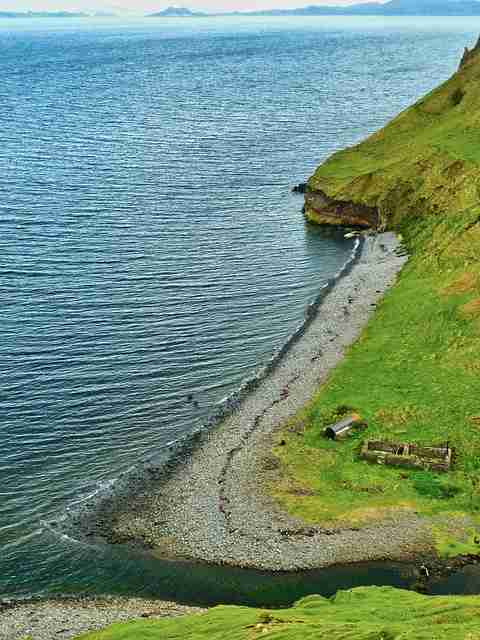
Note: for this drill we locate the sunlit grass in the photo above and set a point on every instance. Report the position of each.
(414, 374)
(366, 613)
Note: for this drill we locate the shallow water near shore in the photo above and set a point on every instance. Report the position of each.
(126, 573)
(153, 257)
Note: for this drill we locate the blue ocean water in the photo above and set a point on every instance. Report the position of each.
(152, 255)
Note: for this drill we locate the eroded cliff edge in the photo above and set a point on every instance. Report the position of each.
(424, 162)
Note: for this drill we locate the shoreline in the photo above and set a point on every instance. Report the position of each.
(209, 505)
(66, 617)
(79, 522)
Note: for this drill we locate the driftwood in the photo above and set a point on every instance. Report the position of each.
(343, 429)
(407, 455)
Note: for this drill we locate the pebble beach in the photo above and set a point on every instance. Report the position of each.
(65, 618)
(211, 506)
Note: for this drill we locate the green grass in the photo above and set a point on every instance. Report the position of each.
(423, 162)
(449, 546)
(414, 374)
(365, 613)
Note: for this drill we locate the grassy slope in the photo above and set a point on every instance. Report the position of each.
(425, 161)
(415, 372)
(365, 613)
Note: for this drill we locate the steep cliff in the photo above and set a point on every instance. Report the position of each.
(426, 161)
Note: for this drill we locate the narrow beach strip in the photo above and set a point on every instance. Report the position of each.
(213, 507)
(64, 618)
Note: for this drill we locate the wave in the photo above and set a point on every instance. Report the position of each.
(77, 523)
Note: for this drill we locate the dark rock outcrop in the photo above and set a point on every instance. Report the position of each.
(322, 209)
(300, 188)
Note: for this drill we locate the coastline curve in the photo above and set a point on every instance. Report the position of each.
(79, 521)
(209, 503)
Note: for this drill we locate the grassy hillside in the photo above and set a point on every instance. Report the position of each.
(365, 613)
(425, 162)
(415, 373)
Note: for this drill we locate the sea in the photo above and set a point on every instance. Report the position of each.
(153, 256)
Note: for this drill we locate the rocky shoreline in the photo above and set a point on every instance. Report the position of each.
(210, 505)
(66, 617)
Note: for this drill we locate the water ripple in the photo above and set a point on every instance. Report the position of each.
(150, 248)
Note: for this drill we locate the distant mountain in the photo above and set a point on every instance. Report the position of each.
(42, 14)
(391, 8)
(432, 7)
(177, 12)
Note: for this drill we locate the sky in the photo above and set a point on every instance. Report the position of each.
(148, 6)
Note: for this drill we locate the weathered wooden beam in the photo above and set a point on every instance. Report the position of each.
(407, 455)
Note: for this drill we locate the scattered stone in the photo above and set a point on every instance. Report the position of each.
(300, 188)
(232, 464)
(42, 619)
(271, 463)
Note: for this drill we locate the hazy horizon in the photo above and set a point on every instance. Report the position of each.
(148, 6)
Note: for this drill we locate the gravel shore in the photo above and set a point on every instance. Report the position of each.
(68, 617)
(211, 506)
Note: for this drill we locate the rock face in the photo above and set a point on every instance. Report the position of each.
(424, 162)
(322, 209)
(469, 54)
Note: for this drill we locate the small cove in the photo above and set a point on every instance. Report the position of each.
(152, 252)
